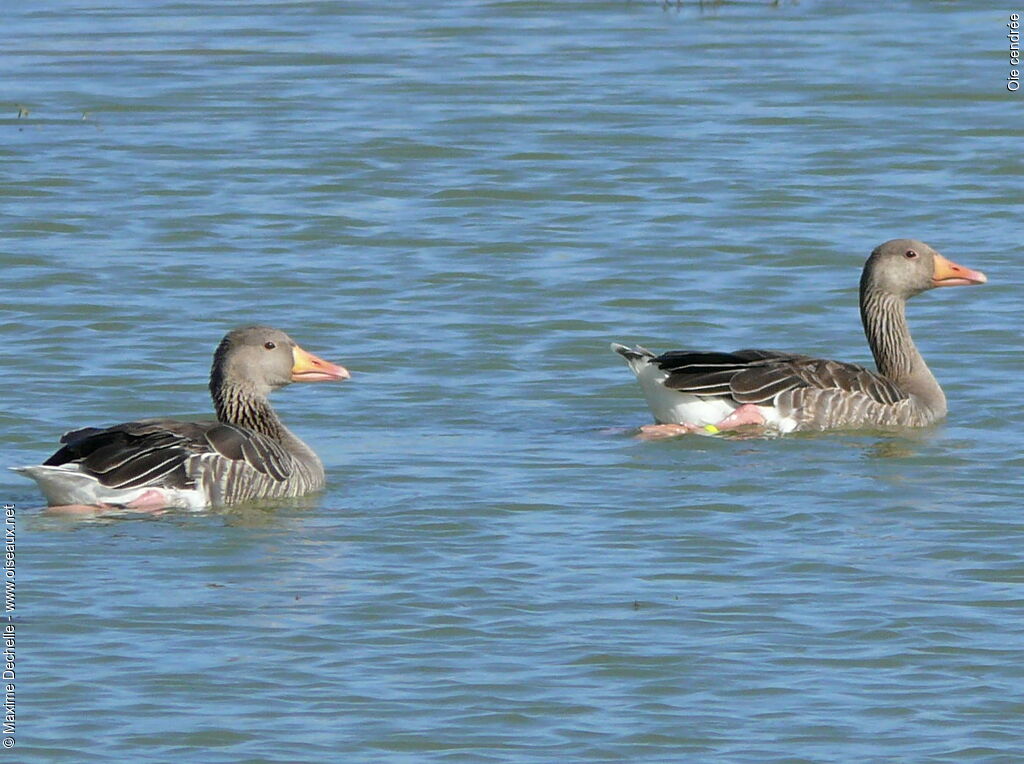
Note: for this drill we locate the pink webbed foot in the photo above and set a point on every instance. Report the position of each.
(746, 414)
(659, 431)
(78, 510)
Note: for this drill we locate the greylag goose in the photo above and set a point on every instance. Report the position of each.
(689, 391)
(245, 453)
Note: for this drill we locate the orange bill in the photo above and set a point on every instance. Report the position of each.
(948, 273)
(308, 368)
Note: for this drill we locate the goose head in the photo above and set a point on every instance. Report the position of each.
(263, 359)
(906, 267)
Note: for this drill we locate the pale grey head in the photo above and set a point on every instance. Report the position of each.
(262, 359)
(906, 267)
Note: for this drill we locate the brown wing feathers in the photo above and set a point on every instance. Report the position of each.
(128, 455)
(760, 376)
(137, 454)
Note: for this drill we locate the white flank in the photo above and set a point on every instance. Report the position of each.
(65, 484)
(673, 407)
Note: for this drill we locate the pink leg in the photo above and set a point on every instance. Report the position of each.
(748, 413)
(150, 500)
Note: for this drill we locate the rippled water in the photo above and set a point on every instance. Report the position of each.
(464, 205)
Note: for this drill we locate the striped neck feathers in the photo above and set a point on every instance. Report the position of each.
(896, 355)
(243, 405)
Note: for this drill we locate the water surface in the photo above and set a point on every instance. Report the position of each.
(464, 205)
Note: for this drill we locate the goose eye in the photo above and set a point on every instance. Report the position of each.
(269, 345)
(910, 254)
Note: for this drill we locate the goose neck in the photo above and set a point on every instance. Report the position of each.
(896, 355)
(247, 408)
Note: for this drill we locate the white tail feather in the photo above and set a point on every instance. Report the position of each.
(62, 485)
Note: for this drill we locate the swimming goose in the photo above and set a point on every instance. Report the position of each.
(689, 391)
(246, 453)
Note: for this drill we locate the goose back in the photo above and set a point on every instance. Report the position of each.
(817, 393)
(225, 462)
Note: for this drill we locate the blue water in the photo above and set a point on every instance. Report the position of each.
(464, 204)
